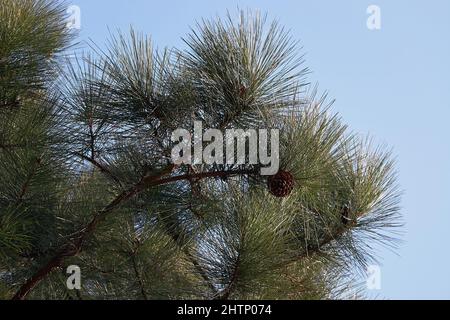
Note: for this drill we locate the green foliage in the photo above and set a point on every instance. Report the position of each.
(87, 179)
(32, 36)
(241, 70)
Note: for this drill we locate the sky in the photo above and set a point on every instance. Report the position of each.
(392, 83)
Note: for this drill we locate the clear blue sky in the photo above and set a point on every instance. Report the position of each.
(393, 83)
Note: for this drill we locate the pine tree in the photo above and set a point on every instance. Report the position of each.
(87, 177)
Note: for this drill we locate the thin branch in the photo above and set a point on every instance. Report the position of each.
(229, 289)
(27, 182)
(326, 240)
(175, 237)
(138, 275)
(11, 146)
(201, 271)
(100, 166)
(91, 136)
(13, 104)
(203, 175)
(224, 295)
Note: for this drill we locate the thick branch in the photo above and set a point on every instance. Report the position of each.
(74, 247)
(38, 277)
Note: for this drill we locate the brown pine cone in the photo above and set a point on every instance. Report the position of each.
(281, 184)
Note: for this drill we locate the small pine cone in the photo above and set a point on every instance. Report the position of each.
(281, 184)
(242, 91)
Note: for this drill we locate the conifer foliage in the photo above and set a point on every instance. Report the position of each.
(87, 179)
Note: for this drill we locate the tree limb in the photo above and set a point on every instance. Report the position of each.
(73, 247)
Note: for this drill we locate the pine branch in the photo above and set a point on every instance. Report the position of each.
(203, 175)
(28, 180)
(137, 274)
(100, 166)
(311, 249)
(74, 247)
(330, 237)
(11, 105)
(192, 259)
(39, 276)
(126, 102)
(11, 146)
(202, 272)
(229, 289)
(92, 137)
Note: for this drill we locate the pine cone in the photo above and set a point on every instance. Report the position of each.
(281, 184)
(242, 91)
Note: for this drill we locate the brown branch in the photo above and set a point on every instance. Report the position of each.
(92, 139)
(38, 277)
(202, 175)
(73, 247)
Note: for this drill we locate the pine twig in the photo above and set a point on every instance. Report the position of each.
(229, 289)
(197, 266)
(100, 166)
(138, 275)
(224, 295)
(11, 146)
(27, 182)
